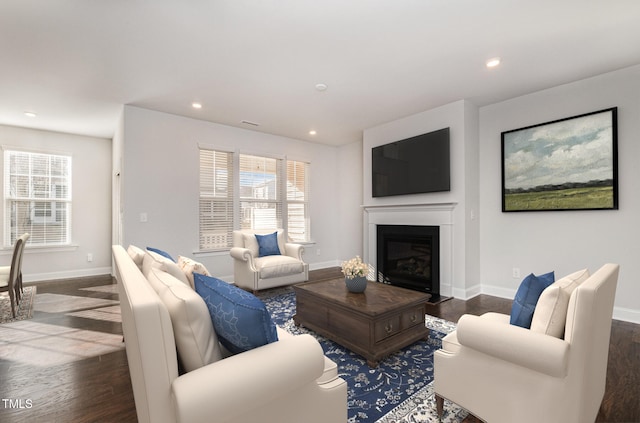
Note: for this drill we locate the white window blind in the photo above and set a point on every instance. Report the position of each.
(243, 191)
(216, 199)
(260, 197)
(298, 200)
(37, 194)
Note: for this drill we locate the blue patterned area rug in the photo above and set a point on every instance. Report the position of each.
(398, 390)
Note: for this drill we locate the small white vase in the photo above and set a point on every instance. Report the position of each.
(357, 284)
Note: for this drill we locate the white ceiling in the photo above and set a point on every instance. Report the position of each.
(76, 62)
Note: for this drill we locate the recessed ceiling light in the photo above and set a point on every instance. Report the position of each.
(196, 105)
(312, 132)
(321, 87)
(492, 63)
(30, 114)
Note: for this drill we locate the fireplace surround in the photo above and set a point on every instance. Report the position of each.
(418, 214)
(409, 256)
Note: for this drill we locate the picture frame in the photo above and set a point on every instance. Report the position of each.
(565, 164)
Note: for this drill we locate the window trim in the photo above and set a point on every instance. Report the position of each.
(306, 203)
(228, 200)
(67, 201)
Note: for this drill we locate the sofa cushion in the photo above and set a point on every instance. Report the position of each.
(196, 340)
(550, 314)
(241, 321)
(268, 245)
(276, 266)
(156, 261)
(526, 298)
(189, 266)
(136, 254)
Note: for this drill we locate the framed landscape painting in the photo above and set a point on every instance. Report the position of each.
(566, 164)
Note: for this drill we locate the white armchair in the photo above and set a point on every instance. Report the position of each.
(253, 272)
(505, 373)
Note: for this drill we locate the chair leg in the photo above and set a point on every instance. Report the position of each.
(17, 291)
(439, 405)
(13, 305)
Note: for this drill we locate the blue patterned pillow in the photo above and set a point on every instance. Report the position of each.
(268, 245)
(240, 319)
(524, 304)
(162, 253)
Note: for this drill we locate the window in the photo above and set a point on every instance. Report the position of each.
(37, 197)
(216, 199)
(298, 200)
(260, 199)
(251, 192)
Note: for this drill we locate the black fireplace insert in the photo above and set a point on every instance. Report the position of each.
(409, 256)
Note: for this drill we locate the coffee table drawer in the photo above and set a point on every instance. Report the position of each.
(413, 317)
(386, 327)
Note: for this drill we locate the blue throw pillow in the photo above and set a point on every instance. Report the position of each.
(524, 304)
(240, 319)
(268, 245)
(162, 253)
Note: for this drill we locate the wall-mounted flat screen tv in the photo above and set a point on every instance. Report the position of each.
(412, 166)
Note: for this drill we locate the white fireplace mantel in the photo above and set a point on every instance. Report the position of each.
(427, 214)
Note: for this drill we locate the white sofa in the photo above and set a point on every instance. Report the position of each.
(253, 273)
(285, 381)
(554, 372)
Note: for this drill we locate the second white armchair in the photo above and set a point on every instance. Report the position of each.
(266, 260)
(503, 373)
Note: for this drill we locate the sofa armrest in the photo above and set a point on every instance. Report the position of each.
(294, 250)
(225, 389)
(542, 353)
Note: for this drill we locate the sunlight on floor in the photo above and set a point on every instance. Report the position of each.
(109, 314)
(44, 345)
(57, 303)
(41, 344)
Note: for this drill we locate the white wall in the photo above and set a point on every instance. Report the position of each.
(349, 204)
(472, 201)
(116, 192)
(160, 178)
(91, 211)
(461, 117)
(570, 240)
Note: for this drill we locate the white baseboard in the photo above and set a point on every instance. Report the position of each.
(324, 265)
(69, 274)
(498, 291)
(619, 313)
(463, 294)
(626, 315)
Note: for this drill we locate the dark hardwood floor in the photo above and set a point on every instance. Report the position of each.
(97, 388)
(53, 387)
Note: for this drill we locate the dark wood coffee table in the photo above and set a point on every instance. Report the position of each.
(374, 324)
